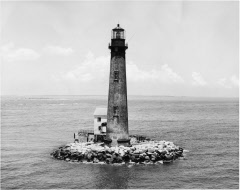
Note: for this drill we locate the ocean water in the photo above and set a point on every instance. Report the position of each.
(33, 126)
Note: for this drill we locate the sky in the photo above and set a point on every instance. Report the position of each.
(182, 48)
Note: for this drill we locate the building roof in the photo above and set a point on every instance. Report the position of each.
(100, 111)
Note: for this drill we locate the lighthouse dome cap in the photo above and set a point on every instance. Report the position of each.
(118, 28)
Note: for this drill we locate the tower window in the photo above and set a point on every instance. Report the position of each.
(115, 110)
(115, 120)
(99, 119)
(116, 75)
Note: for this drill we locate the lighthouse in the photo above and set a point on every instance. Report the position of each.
(117, 112)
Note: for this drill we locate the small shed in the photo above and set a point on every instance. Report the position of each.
(100, 121)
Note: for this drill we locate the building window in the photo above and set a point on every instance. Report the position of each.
(115, 110)
(116, 75)
(99, 119)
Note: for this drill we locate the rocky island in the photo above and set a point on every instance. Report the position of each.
(147, 152)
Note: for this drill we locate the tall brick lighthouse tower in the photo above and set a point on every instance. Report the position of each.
(117, 114)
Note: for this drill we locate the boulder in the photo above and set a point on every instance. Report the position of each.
(113, 156)
(126, 158)
(141, 159)
(136, 155)
(95, 154)
(121, 152)
(168, 157)
(147, 158)
(133, 148)
(136, 152)
(108, 160)
(142, 151)
(153, 158)
(89, 156)
(111, 161)
(95, 160)
(151, 150)
(132, 157)
(119, 159)
(160, 162)
(155, 154)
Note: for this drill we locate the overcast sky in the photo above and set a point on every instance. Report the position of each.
(175, 48)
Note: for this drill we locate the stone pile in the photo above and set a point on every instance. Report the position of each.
(142, 153)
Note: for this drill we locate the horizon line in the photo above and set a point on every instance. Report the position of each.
(132, 95)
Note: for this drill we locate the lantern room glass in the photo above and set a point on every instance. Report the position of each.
(118, 34)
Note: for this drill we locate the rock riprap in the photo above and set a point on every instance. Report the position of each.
(143, 153)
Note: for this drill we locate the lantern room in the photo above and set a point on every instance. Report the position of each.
(118, 33)
(117, 44)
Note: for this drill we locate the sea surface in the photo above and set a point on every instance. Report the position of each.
(33, 126)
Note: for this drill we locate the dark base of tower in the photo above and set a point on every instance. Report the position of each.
(124, 142)
(107, 141)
